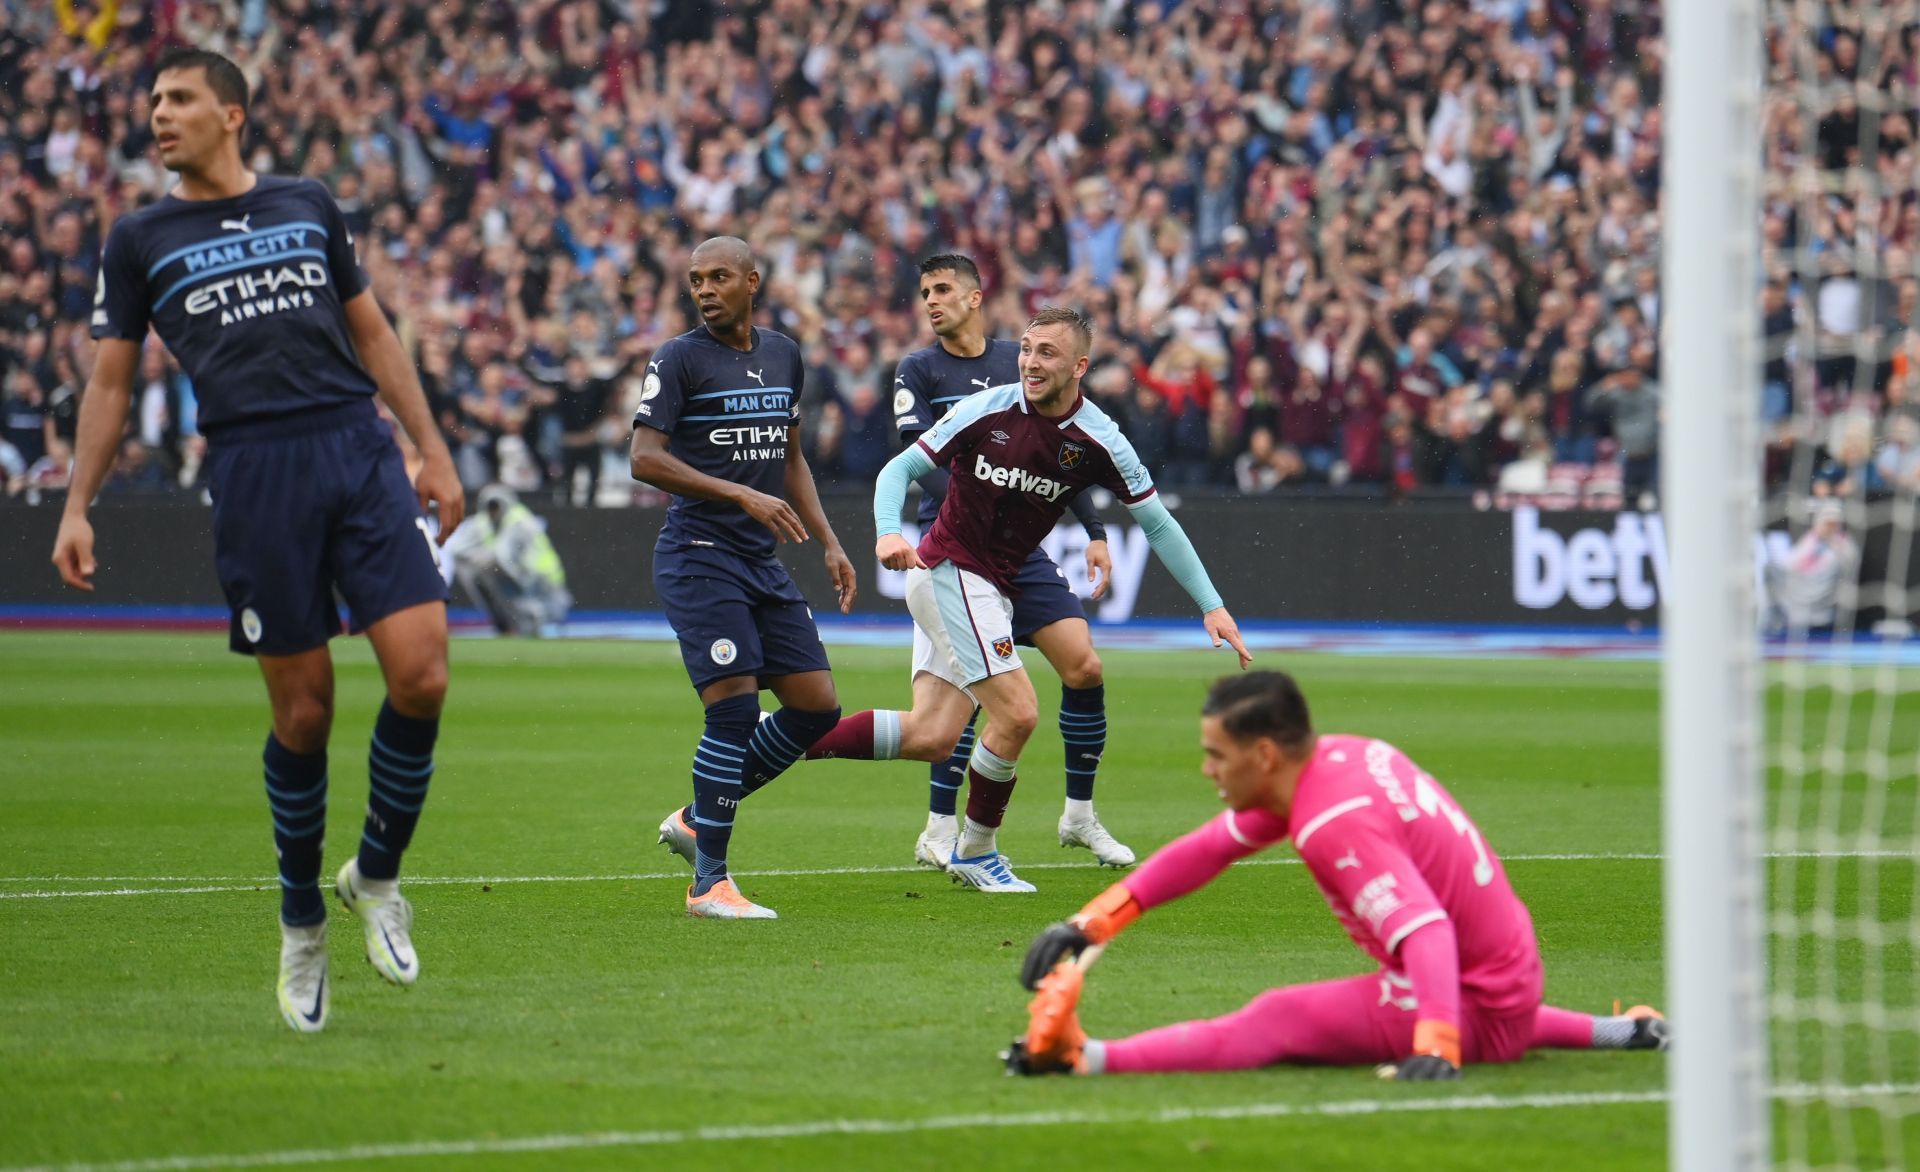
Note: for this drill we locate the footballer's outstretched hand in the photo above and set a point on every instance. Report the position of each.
(1049, 948)
(895, 554)
(840, 569)
(1097, 923)
(438, 484)
(73, 552)
(1220, 626)
(774, 513)
(1099, 568)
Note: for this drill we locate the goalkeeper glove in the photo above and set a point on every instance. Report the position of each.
(1436, 1053)
(1097, 923)
(1049, 948)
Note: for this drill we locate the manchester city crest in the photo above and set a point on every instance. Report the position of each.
(1071, 454)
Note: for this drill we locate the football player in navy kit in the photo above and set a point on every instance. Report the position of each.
(718, 426)
(252, 283)
(1047, 615)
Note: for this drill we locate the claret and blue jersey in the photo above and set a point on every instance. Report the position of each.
(247, 293)
(1013, 472)
(931, 381)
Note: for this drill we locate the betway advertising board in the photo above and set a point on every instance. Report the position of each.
(1272, 558)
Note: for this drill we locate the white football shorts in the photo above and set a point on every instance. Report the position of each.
(962, 626)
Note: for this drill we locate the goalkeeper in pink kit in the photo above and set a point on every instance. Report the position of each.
(1405, 871)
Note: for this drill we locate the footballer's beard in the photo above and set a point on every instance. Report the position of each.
(1053, 394)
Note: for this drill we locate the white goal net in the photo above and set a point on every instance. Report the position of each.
(1839, 422)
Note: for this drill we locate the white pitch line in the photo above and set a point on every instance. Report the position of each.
(833, 1127)
(215, 884)
(1339, 1108)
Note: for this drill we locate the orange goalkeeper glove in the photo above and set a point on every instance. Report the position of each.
(1097, 923)
(1436, 1053)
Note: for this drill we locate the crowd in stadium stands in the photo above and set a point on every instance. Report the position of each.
(1393, 244)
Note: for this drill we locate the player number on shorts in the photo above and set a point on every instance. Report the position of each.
(1434, 806)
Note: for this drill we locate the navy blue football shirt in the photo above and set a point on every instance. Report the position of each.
(929, 381)
(726, 413)
(246, 292)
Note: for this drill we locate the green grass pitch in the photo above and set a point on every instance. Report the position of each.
(570, 1016)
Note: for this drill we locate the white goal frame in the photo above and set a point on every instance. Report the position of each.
(1713, 809)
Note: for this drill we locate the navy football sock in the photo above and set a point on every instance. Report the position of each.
(297, 795)
(399, 769)
(717, 768)
(780, 740)
(946, 778)
(1083, 730)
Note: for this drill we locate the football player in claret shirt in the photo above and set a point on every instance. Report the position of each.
(1406, 873)
(252, 283)
(1016, 454)
(718, 426)
(927, 384)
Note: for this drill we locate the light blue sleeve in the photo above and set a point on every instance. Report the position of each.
(890, 490)
(1174, 549)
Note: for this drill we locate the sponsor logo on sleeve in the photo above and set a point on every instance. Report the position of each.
(1378, 899)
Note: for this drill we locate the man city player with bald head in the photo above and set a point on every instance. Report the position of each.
(718, 426)
(252, 283)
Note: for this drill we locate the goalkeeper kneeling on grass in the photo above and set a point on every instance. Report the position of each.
(1404, 869)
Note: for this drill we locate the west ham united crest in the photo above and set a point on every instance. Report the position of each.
(1003, 648)
(1071, 454)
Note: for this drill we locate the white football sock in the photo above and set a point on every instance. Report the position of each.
(975, 839)
(943, 825)
(1093, 1057)
(1078, 812)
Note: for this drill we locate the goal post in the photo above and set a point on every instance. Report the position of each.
(1712, 798)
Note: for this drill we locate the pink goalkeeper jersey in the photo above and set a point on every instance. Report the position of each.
(1392, 851)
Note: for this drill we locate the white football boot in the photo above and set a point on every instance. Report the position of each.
(1107, 850)
(388, 922)
(990, 873)
(935, 845)
(303, 977)
(677, 833)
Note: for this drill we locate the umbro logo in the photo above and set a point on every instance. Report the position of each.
(755, 376)
(1001, 437)
(239, 225)
(983, 384)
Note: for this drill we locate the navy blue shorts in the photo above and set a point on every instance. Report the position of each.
(1044, 598)
(736, 616)
(308, 505)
